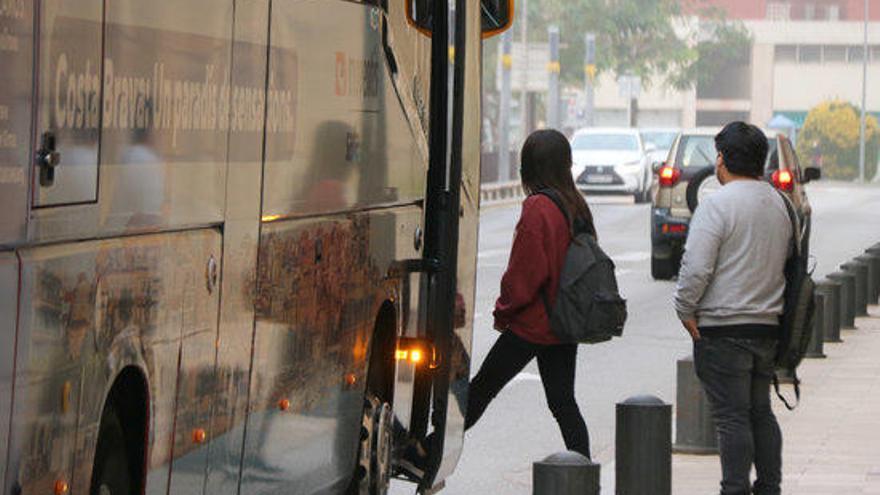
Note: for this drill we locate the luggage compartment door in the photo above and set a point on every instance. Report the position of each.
(69, 102)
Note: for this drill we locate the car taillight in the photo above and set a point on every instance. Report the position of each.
(669, 175)
(783, 180)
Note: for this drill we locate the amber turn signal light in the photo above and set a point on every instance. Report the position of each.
(199, 436)
(416, 352)
(61, 487)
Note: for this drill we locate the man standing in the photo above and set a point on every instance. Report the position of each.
(729, 298)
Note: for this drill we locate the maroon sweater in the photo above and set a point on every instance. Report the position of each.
(539, 246)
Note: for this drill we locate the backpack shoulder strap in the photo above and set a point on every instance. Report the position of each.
(580, 225)
(795, 225)
(554, 196)
(797, 391)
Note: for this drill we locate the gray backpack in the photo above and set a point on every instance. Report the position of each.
(588, 306)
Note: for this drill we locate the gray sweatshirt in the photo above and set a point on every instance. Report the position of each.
(732, 269)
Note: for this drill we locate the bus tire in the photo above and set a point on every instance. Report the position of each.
(111, 473)
(373, 470)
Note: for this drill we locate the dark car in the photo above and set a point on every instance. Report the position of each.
(689, 174)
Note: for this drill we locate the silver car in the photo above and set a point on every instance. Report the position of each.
(612, 160)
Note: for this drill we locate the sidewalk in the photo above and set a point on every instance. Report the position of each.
(831, 442)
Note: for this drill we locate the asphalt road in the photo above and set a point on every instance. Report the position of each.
(518, 429)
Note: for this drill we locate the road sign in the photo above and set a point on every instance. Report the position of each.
(530, 71)
(629, 87)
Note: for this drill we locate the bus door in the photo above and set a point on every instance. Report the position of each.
(68, 102)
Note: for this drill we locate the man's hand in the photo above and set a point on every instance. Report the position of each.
(691, 327)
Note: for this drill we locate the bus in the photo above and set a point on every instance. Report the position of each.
(237, 242)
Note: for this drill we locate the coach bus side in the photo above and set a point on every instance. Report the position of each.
(205, 208)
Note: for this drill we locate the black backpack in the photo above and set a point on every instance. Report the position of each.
(799, 307)
(588, 306)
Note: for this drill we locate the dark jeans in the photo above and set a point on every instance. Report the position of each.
(556, 363)
(736, 375)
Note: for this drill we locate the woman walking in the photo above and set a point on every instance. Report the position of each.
(529, 287)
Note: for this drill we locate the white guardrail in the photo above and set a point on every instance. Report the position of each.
(500, 191)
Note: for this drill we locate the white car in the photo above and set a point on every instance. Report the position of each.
(612, 160)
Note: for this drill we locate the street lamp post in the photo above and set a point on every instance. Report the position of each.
(504, 111)
(590, 77)
(864, 99)
(554, 119)
(523, 92)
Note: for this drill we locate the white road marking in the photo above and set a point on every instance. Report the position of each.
(631, 256)
(527, 377)
(490, 253)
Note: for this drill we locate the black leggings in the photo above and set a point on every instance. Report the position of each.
(556, 363)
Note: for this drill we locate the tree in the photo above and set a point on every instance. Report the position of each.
(646, 38)
(830, 138)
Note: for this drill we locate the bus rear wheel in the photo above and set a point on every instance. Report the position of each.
(110, 472)
(373, 472)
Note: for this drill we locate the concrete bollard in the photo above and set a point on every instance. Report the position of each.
(874, 252)
(873, 264)
(815, 349)
(870, 286)
(831, 290)
(861, 272)
(565, 473)
(847, 298)
(643, 447)
(694, 428)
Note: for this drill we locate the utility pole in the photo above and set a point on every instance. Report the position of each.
(590, 78)
(864, 99)
(553, 117)
(504, 110)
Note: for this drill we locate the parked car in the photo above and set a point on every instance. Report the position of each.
(688, 175)
(612, 160)
(662, 139)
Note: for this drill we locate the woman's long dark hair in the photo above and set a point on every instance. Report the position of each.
(545, 163)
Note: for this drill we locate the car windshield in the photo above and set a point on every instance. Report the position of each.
(661, 139)
(605, 142)
(699, 151)
(772, 156)
(696, 152)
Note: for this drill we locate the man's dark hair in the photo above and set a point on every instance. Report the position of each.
(744, 148)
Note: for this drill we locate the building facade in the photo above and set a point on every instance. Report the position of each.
(802, 53)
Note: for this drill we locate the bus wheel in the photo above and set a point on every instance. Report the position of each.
(373, 473)
(110, 472)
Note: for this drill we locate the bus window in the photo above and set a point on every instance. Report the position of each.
(495, 16)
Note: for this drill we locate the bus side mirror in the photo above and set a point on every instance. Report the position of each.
(811, 174)
(496, 16)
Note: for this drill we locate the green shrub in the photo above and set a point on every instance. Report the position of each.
(831, 131)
